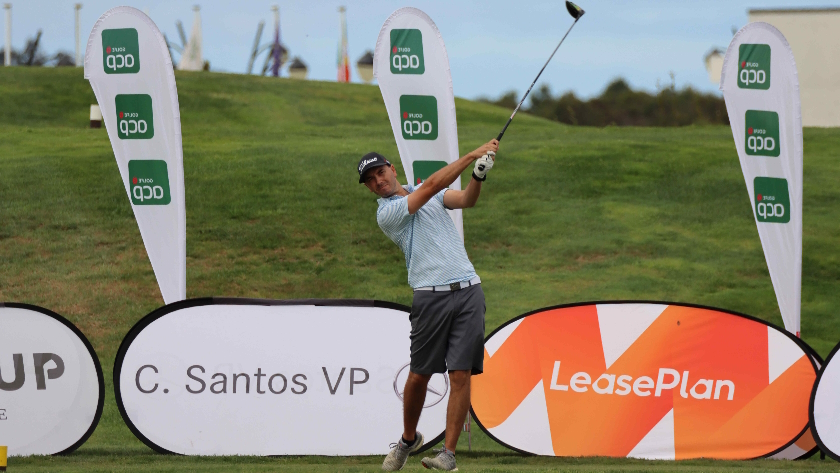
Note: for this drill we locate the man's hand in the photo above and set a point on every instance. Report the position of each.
(492, 145)
(484, 164)
(443, 177)
(463, 199)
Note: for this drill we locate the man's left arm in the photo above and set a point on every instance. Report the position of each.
(464, 199)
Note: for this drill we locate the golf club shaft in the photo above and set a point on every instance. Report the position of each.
(499, 138)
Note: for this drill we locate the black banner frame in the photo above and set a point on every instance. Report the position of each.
(100, 378)
(811, 420)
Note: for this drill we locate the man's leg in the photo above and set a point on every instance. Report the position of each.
(429, 328)
(414, 396)
(456, 412)
(465, 353)
(459, 405)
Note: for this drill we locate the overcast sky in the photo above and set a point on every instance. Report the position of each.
(493, 45)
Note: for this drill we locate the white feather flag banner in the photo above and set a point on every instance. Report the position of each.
(761, 89)
(128, 65)
(412, 68)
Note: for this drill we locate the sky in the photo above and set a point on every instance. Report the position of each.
(494, 46)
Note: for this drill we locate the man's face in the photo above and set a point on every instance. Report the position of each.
(382, 180)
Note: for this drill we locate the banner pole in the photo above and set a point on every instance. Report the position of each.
(468, 429)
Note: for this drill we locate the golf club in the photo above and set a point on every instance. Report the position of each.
(576, 13)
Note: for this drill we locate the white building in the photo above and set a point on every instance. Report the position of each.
(714, 64)
(814, 37)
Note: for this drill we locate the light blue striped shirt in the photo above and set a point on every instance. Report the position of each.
(434, 252)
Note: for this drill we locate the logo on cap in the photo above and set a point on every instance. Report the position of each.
(366, 162)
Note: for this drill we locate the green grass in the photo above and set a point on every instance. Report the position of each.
(274, 210)
(90, 460)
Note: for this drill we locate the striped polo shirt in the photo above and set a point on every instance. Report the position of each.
(434, 251)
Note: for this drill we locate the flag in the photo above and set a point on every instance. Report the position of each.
(343, 59)
(761, 89)
(130, 70)
(412, 68)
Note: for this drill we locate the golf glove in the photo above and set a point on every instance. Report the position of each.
(482, 165)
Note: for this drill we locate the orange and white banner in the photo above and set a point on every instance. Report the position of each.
(643, 380)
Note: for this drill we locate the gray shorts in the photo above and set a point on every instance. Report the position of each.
(447, 331)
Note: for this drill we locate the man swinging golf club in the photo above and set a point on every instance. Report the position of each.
(447, 313)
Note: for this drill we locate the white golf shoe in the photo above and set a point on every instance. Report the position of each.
(444, 461)
(396, 458)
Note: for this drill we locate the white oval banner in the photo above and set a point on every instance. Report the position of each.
(223, 376)
(51, 384)
(825, 406)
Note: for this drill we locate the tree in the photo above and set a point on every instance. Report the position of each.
(620, 105)
(30, 56)
(63, 58)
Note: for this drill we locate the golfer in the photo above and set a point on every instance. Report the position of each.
(447, 313)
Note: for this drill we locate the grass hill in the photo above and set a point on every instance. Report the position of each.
(274, 210)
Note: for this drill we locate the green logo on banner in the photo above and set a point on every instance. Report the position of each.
(134, 117)
(419, 117)
(754, 66)
(424, 169)
(120, 51)
(762, 133)
(407, 52)
(149, 182)
(772, 201)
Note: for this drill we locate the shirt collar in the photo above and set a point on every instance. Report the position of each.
(408, 187)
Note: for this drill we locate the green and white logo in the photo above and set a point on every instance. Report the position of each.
(120, 51)
(149, 182)
(134, 117)
(754, 66)
(419, 117)
(772, 201)
(762, 133)
(407, 52)
(424, 169)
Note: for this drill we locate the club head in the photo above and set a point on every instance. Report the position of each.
(574, 10)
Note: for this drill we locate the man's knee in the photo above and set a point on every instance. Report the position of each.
(414, 378)
(459, 378)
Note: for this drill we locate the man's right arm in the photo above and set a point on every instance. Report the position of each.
(446, 176)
